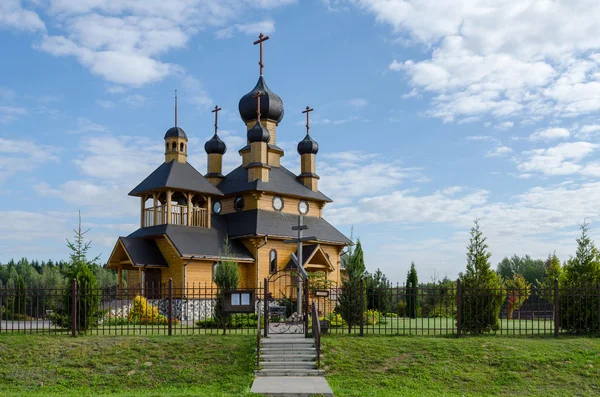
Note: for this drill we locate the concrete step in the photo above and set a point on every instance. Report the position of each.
(291, 386)
(290, 372)
(288, 345)
(288, 364)
(286, 351)
(288, 357)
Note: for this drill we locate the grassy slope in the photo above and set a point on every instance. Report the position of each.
(473, 366)
(127, 366)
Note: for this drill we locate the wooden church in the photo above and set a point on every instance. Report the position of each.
(186, 217)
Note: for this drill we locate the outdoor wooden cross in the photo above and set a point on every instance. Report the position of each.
(301, 227)
(261, 38)
(257, 96)
(216, 112)
(307, 111)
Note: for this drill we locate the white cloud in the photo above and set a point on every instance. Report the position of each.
(123, 41)
(86, 125)
(23, 156)
(14, 16)
(105, 104)
(136, 100)
(357, 103)
(499, 151)
(529, 58)
(506, 125)
(562, 159)
(266, 27)
(550, 134)
(8, 114)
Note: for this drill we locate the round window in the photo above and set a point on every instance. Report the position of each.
(277, 203)
(238, 204)
(303, 207)
(217, 207)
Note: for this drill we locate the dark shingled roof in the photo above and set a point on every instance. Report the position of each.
(143, 252)
(307, 251)
(176, 175)
(279, 224)
(281, 181)
(308, 146)
(199, 242)
(175, 132)
(271, 105)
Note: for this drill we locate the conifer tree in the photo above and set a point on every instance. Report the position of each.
(580, 283)
(411, 291)
(349, 298)
(226, 278)
(481, 293)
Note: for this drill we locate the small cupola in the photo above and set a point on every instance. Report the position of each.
(258, 133)
(176, 142)
(308, 149)
(215, 149)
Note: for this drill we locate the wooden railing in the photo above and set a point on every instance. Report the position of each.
(179, 216)
(316, 332)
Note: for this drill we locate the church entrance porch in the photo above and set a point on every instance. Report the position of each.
(282, 293)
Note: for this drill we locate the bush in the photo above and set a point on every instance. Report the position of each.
(115, 320)
(373, 317)
(236, 321)
(335, 320)
(144, 313)
(401, 308)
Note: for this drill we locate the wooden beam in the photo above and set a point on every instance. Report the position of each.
(169, 206)
(143, 211)
(189, 214)
(208, 212)
(155, 202)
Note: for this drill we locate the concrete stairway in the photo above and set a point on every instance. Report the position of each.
(288, 355)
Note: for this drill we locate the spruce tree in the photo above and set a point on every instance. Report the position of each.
(349, 298)
(481, 288)
(226, 278)
(411, 291)
(580, 282)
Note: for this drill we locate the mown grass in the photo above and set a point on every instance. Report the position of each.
(472, 366)
(205, 365)
(446, 325)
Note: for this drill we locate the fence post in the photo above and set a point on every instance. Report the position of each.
(556, 318)
(458, 309)
(170, 306)
(74, 308)
(266, 307)
(598, 309)
(306, 308)
(0, 306)
(362, 307)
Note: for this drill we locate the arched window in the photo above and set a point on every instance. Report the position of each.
(181, 147)
(273, 262)
(214, 270)
(174, 146)
(167, 147)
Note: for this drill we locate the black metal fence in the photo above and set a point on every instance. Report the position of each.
(440, 309)
(147, 309)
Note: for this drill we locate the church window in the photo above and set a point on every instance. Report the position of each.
(166, 147)
(181, 147)
(303, 207)
(174, 147)
(277, 203)
(273, 262)
(217, 207)
(238, 204)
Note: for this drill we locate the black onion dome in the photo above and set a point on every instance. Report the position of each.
(308, 146)
(258, 133)
(271, 105)
(175, 132)
(215, 145)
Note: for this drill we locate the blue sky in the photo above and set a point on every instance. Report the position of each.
(428, 115)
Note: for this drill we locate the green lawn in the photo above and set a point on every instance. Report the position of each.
(205, 365)
(472, 366)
